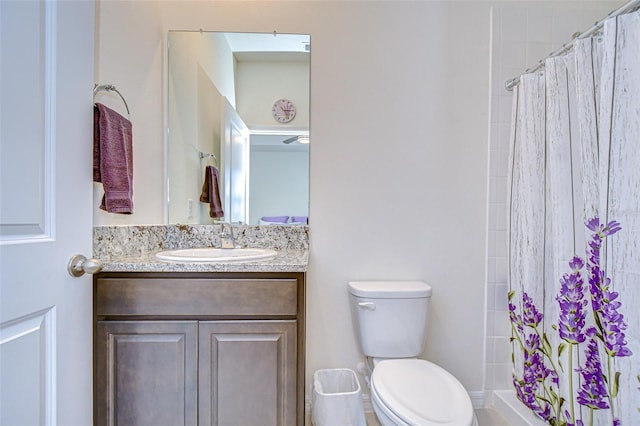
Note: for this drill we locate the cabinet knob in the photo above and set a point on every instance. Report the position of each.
(79, 265)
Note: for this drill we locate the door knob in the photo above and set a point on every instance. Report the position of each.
(79, 265)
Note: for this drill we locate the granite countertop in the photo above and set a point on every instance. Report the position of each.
(133, 248)
(285, 261)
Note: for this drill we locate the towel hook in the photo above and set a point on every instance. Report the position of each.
(208, 155)
(110, 88)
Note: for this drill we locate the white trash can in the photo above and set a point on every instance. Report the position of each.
(336, 398)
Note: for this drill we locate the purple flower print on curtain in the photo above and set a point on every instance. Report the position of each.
(537, 388)
(530, 315)
(593, 390)
(609, 321)
(572, 304)
(572, 320)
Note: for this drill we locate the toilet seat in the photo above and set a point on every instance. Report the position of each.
(419, 392)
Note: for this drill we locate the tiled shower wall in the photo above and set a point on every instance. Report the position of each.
(521, 36)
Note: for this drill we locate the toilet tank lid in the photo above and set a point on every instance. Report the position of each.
(390, 289)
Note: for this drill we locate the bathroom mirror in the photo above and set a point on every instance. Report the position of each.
(223, 111)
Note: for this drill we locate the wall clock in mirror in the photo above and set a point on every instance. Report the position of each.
(283, 110)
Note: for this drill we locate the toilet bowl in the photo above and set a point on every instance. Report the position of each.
(390, 319)
(412, 392)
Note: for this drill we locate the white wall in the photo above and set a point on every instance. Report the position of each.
(398, 173)
(130, 53)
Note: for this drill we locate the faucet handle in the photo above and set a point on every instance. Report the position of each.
(227, 239)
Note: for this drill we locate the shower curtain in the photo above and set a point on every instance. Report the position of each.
(574, 231)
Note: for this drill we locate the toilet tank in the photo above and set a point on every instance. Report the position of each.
(390, 317)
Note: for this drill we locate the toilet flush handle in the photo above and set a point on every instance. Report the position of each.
(367, 305)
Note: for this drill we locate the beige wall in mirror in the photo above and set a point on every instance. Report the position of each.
(221, 90)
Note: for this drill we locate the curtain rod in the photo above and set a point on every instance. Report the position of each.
(626, 8)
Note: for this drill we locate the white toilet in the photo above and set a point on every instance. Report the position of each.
(390, 319)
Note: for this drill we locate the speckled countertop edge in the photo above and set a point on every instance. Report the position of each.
(285, 261)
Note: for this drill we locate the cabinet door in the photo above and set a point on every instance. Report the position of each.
(146, 373)
(247, 373)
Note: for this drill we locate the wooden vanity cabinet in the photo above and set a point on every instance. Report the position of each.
(146, 373)
(199, 349)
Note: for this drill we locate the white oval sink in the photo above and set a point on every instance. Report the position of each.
(216, 254)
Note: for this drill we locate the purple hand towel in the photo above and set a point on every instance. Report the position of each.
(275, 219)
(113, 159)
(211, 192)
(299, 219)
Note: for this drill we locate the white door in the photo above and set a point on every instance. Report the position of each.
(46, 121)
(235, 157)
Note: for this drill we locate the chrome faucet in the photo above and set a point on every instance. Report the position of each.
(226, 236)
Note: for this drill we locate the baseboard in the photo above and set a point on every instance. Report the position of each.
(366, 403)
(477, 399)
